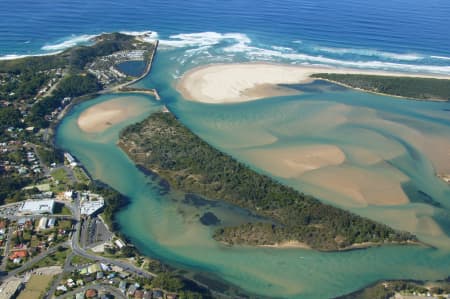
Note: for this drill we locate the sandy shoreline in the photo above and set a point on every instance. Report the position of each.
(241, 82)
(100, 117)
(288, 244)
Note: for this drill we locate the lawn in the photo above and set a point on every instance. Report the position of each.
(55, 259)
(36, 286)
(81, 176)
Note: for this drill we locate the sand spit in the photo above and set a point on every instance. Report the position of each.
(233, 83)
(100, 117)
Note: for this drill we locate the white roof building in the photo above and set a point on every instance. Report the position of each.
(89, 207)
(37, 207)
(43, 223)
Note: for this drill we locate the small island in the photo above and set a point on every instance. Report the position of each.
(164, 146)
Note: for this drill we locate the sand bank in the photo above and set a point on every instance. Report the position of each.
(289, 162)
(232, 83)
(361, 187)
(288, 244)
(100, 117)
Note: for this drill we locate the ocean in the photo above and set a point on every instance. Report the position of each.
(376, 34)
(394, 143)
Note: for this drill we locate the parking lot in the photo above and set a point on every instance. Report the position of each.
(9, 210)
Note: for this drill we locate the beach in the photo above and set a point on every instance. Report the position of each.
(100, 117)
(241, 82)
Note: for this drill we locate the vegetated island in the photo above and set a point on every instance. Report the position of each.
(402, 289)
(164, 146)
(408, 87)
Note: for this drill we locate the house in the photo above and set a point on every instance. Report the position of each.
(91, 293)
(131, 290)
(23, 253)
(123, 286)
(139, 294)
(148, 295)
(158, 294)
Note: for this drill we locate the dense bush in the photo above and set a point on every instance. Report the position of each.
(162, 144)
(418, 88)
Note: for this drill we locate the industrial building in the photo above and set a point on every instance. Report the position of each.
(37, 207)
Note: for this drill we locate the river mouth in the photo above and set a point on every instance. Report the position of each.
(358, 136)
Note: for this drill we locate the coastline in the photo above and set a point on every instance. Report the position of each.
(242, 82)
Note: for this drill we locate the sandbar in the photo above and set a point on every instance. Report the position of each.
(362, 187)
(241, 82)
(290, 162)
(100, 117)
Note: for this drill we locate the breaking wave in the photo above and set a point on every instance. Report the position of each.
(241, 47)
(70, 42)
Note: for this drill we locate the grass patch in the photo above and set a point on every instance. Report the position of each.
(81, 176)
(61, 209)
(55, 259)
(36, 286)
(79, 260)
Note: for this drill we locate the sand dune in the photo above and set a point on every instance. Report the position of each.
(101, 116)
(231, 83)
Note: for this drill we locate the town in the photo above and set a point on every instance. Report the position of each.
(57, 236)
(57, 244)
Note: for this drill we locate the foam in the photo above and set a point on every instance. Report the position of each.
(72, 41)
(255, 53)
(371, 53)
(146, 35)
(202, 39)
(441, 57)
(16, 56)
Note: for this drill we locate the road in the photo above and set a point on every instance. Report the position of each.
(6, 251)
(33, 260)
(57, 280)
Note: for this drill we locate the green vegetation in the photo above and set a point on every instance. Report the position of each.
(71, 86)
(114, 201)
(55, 259)
(49, 155)
(81, 176)
(76, 58)
(417, 88)
(163, 145)
(388, 289)
(24, 86)
(9, 117)
(79, 260)
(11, 188)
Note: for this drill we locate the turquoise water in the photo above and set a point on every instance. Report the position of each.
(132, 68)
(165, 227)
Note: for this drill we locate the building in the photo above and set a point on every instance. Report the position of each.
(70, 159)
(37, 207)
(10, 289)
(18, 254)
(89, 207)
(42, 223)
(119, 243)
(51, 222)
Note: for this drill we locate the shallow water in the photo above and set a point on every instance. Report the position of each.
(379, 136)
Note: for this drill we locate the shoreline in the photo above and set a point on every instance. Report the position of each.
(242, 82)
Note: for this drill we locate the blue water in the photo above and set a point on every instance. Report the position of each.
(379, 32)
(392, 35)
